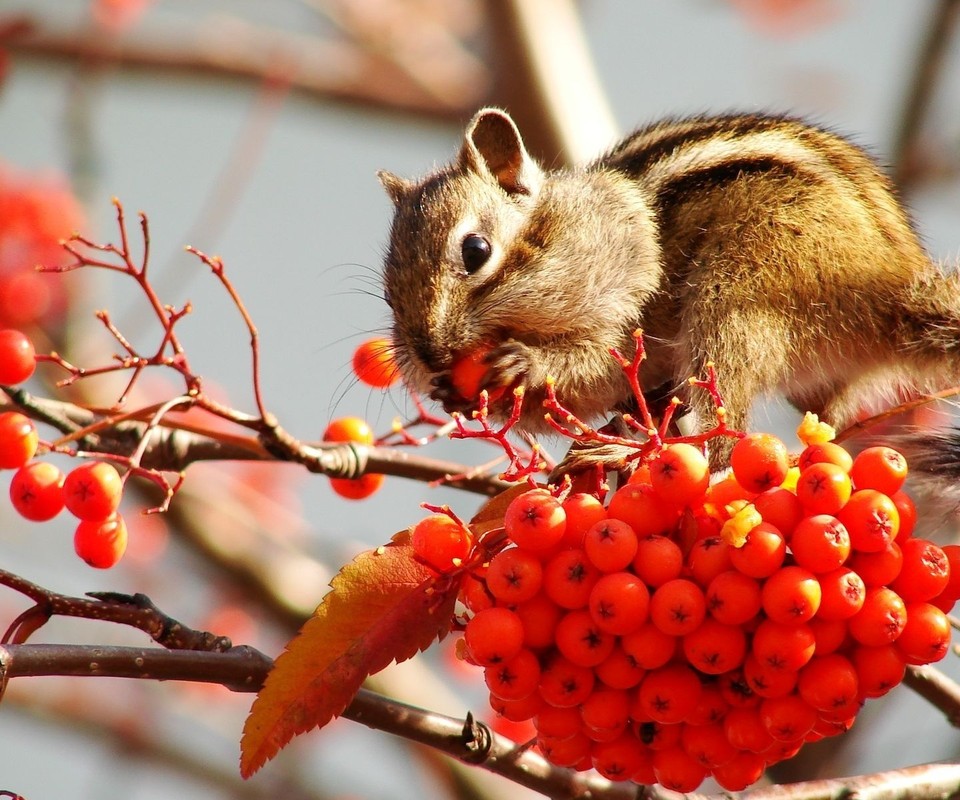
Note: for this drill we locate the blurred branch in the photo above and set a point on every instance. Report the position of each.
(547, 78)
(926, 74)
(234, 48)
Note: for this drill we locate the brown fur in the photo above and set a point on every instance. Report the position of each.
(774, 249)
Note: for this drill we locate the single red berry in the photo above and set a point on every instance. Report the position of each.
(783, 647)
(349, 429)
(792, 594)
(468, 371)
(514, 679)
(881, 619)
(820, 543)
(619, 603)
(494, 636)
(649, 647)
(667, 695)
(762, 552)
(101, 543)
(18, 440)
(714, 648)
(441, 542)
(823, 488)
(610, 545)
(658, 559)
(879, 669)
(581, 641)
(535, 521)
(779, 507)
(680, 473)
(91, 491)
(829, 452)
(565, 684)
(36, 491)
(373, 363)
(926, 636)
(639, 505)
(569, 577)
(872, 520)
(678, 607)
(924, 573)
(733, 598)
(828, 681)
(357, 488)
(760, 461)
(880, 468)
(17, 357)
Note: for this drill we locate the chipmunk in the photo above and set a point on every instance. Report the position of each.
(773, 248)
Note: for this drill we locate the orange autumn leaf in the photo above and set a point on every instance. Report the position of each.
(384, 606)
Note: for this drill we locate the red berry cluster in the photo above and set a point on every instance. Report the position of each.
(39, 490)
(687, 630)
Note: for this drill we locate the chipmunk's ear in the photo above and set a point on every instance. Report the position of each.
(492, 144)
(395, 186)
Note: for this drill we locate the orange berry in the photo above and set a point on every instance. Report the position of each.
(823, 488)
(349, 429)
(658, 559)
(825, 452)
(619, 603)
(881, 619)
(759, 461)
(357, 488)
(514, 679)
(880, 468)
(872, 520)
(680, 474)
(649, 647)
(668, 694)
(678, 607)
(924, 573)
(714, 648)
(514, 576)
(17, 361)
(467, 374)
(441, 542)
(639, 505)
(581, 641)
(828, 681)
(792, 594)
(91, 491)
(535, 521)
(733, 598)
(610, 545)
(762, 552)
(926, 636)
(101, 543)
(780, 508)
(569, 578)
(373, 363)
(842, 593)
(494, 636)
(820, 543)
(18, 440)
(36, 491)
(879, 669)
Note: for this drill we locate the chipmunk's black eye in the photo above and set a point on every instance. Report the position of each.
(475, 252)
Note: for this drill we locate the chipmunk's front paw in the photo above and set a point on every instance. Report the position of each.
(508, 364)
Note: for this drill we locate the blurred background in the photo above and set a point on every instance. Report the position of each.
(253, 130)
